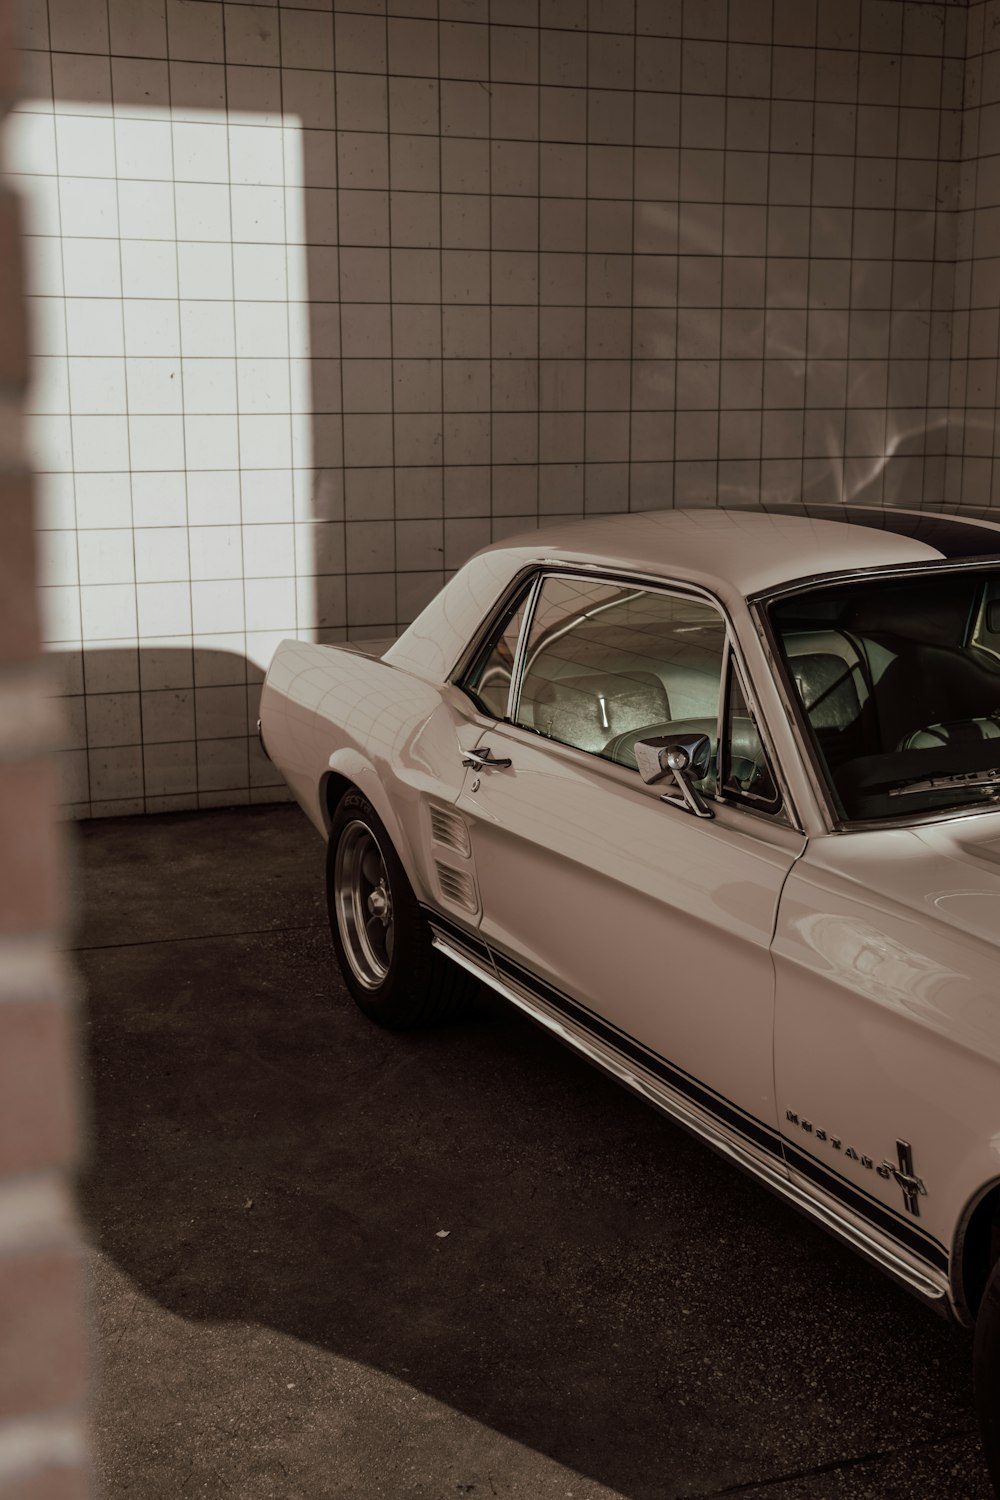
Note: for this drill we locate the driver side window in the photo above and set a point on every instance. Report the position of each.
(608, 663)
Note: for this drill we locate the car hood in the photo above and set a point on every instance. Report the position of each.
(945, 872)
(959, 872)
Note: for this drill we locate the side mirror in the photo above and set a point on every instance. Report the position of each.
(685, 758)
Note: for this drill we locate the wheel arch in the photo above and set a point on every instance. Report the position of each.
(350, 770)
(977, 1249)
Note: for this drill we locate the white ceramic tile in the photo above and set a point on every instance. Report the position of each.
(209, 386)
(213, 497)
(105, 557)
(149, 268)
(85, 145)
(195, 30)
(253, 95)
(159, 498)
(34, 78)
(205, 270)
(211, 442)
(43, 266)
(200, 152)
(259, 272)
(154, 387)
(163, 608)
(217, 606)
(265, 442)
(202, 211)
(97, 386)
(170, 775)
(167, 716)
(57, 557)
(48, 390)
(256, 154)
(100, 443)
(151, 328)
(261, 330)
(157, 442)
(270, 603)
(93, 326)
(30, 143)
(92, 267)
(138, 27)
(221, 711)
(113, 719)
(46, 324)
(60, 613)
(108, 611)
(267, 495)
(143, 149)
(40, 205)
(88, 207)
(268, 551)
(103, 500)
(55, 503)
(263, 385)
(258, 214)
(207, 329)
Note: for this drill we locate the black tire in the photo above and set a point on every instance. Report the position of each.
(986, 1373)
(382, 941)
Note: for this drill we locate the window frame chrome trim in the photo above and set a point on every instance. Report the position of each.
(785, 815)
(530, 603)
(470, 654)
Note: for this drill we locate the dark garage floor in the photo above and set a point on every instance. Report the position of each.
(615, 1311)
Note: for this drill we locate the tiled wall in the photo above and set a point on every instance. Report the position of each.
(327, 299)
(973, 474)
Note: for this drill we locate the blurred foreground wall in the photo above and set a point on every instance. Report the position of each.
(42, 1354)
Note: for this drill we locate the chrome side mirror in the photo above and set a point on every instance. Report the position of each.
(685, 758)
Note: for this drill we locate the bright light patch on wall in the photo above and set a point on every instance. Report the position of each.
(171, 423)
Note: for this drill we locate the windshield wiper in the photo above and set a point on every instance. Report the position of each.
(948, 783)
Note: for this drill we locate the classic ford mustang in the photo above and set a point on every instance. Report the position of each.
(714, 796)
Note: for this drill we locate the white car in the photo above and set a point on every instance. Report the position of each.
(715, 797)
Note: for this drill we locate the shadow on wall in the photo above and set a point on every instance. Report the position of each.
(161, 728)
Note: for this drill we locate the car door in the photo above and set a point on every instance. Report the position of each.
(596, 893)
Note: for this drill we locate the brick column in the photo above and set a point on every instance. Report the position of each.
(42, 1346)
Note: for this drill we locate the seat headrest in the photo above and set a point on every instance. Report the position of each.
(827, 689)
(590, 709)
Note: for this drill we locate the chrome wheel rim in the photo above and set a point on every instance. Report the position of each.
(364, 905)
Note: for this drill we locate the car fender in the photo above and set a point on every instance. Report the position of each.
(351, 764)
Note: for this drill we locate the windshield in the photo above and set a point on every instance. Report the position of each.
(899, 684)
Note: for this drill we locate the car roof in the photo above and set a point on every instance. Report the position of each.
(735, 552)
(753, 550)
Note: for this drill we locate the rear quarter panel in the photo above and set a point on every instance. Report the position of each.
(397, 737)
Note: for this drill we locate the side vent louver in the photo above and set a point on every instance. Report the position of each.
(448, 828)
(457, 886)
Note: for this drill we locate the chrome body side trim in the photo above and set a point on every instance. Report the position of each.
(923, 1282)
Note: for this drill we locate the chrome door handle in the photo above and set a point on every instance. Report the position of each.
(479, 760)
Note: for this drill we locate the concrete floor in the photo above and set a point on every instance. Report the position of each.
(614, 1312)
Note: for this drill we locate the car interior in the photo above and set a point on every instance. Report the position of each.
(898, 683)
(606, 666)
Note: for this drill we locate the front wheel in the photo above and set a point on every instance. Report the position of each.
(382, 941)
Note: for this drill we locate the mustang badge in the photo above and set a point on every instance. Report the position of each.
(901, 1170)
